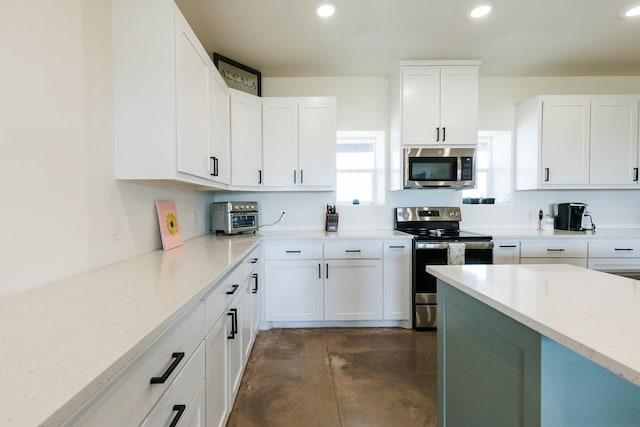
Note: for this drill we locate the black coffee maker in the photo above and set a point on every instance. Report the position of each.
(569, 216)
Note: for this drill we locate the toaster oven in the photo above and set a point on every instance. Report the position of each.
(234, 217)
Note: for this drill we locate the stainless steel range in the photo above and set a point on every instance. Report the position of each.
(438, 241)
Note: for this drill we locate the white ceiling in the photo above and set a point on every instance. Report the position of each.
(284, 38)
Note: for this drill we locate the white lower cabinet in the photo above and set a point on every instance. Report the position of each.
(397, 280)
(353, 290)
(293, 290)
(506, 251)
(554, 251)
(234, 346)
(217, 374)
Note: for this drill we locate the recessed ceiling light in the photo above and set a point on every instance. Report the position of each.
(634, 11)
(481, 10)
(326, 9)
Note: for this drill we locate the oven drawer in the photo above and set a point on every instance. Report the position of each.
(352, 250)
(615, 249)
(553, 249)
(426, 316)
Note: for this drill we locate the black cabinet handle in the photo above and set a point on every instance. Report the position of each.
(508, 246)
(215, 166)
(259, 176)
(353, 251)
(635, 174)
(301, 176)
(396, 247)
(319, 271)
(437, 134)
(177, 357)
(293, 252)
(327, 276)
(233, 290)
(623, 249)
(212, 165)
(180, 410)
(254, 260)
(233, 312)
(294, 175)
(546, 174)
(255, 283)
(555, 250)
(444, 134)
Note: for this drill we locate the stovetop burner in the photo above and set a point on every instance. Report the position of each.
(434, 224)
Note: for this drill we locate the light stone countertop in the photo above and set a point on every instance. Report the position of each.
(61, 343)
(594, 314)
(532, 233)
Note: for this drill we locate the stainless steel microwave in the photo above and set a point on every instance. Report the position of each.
(439, 167)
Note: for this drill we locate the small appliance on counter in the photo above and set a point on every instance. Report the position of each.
(234, 217)
(331, 223)
(569, 216)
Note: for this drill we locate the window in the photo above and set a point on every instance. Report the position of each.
(360, 167)
(493, 166)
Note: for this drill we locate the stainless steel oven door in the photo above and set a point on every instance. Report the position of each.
(240, 222)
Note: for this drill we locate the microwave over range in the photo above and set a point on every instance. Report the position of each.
(439, 167)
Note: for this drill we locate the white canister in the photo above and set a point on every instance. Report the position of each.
(547, 223)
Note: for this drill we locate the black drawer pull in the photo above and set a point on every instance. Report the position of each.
(254, 260)
(180, 410)
(255, 284)
(233, 290)
(508, 246)
(396, 247)
(624, 249)
(233, 312)
(293, 252)
(177, 357)
(555, 250)
(353, 251)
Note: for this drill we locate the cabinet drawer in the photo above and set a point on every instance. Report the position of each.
(553, 249)
(183, 391)
(614, 264)
(349, 250)
(217, 300)
(615, 249)
(128, 399)
(293, 250)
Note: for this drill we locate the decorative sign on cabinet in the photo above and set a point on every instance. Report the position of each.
(577, 141)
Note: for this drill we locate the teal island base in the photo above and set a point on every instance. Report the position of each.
(496, 372)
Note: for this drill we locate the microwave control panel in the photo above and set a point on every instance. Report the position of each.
(466, 173)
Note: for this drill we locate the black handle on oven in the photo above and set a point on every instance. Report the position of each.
(445, 245)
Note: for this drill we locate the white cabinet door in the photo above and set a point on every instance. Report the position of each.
(420, 105)
(317, 143)
(247, 322)
(614, 139)
(293, 290)
(353, 290)
(565, 140)
(220, 141)
(193, 69)
(246, 140)
(280, 142)
(506, 252)
(217, 374)
(459, 105)
(234, 346)
(397, 281)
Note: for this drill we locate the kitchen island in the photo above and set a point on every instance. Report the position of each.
(537, 345)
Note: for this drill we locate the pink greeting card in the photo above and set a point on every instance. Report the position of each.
(169, 226)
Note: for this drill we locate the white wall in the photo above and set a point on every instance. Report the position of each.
(56, 169)
(363, 105)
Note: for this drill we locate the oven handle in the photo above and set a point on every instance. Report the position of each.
(445, 245)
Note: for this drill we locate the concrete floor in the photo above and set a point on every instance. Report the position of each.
(339, 377)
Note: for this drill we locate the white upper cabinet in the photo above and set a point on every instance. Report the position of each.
(577, 141)
(614, 139)
(220, 141)
(163, 84)
(246, 141)
(299, 140)
(439, 104)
